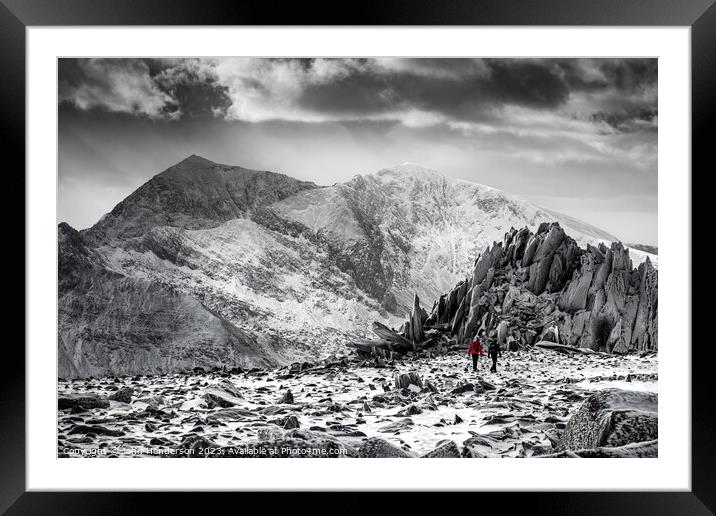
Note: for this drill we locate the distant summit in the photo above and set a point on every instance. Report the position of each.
(241, 267)
(195, 193)
(410, 169)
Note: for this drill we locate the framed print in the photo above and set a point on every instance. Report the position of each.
(417, 233)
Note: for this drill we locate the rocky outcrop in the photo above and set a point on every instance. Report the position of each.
(543, 287)
(613, 418)
(244, 268)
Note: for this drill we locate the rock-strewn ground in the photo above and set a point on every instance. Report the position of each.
(345, 408)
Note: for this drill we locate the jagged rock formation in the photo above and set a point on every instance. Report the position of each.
(208, 265)
(543, 286)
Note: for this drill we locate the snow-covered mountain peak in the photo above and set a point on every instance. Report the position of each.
(249, 260)
(411, 173)
(408, 168)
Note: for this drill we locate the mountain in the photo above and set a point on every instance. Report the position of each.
(211, 265)
(112, 324)
(409, 229)
(651, 249)
(194, 194)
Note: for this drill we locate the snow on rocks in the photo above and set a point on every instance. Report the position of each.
(340, 406)
(172, 290)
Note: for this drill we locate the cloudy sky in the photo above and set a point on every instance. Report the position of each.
(575, 135)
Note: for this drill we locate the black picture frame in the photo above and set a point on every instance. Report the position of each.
(700, 15)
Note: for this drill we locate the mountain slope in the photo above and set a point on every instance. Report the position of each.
(409, 229)
(207, 264)
(112, 324)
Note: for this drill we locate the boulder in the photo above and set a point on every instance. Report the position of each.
(376, 447)
(287, 397)
(444, 450)
(612, 418)
(290, 422)
(83, 401)
(94, 429)
(215, 398)
(124, 395)
(396, 427)
(467, 387)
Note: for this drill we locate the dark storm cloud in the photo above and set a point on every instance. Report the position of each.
(194, 92)
(457, 88)
(146, 87)
(527, 83)
(354, 94)
(469, 89)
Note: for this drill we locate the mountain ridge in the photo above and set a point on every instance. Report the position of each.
(294, 267)
(195, 193)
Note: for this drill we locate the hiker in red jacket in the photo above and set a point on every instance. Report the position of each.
(475, 351)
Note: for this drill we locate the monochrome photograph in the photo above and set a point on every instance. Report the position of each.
(359, 257)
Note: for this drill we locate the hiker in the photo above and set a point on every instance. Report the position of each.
(475, 351)
(493, 353)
